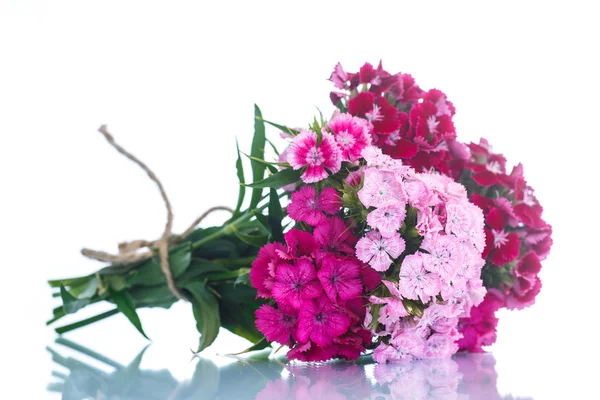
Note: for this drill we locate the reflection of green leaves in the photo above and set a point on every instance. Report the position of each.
(71, 303)
(238, 380)
(126, 306)
(206, 313)
(278, 180)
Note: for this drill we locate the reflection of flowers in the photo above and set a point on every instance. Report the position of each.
(465, 376)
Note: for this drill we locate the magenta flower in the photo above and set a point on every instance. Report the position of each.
(379, 251)
(415, 282)
(340, 278)
(351, 134)
(445, 255)
(277, 325)
(319, 160)
(387, 219)
(333, 236)
(306, 208)
(296, 283)
(320, 321)
(299, 243)
(264, 267)
(380, 189)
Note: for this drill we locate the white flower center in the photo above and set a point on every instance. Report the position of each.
(374, 115)
(314, 156)
(494, 167)
(345, 139)
(500, 238)
(432, 124)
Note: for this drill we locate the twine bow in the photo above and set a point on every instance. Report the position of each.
(129, 252)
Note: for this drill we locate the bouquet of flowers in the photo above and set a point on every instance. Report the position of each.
(392, 233)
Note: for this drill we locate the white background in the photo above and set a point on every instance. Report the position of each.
(176, 82)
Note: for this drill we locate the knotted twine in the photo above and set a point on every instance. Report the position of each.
(129, 251)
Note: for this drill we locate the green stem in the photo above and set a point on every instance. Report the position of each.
(88, 352)
(63, 329)
(227, 228)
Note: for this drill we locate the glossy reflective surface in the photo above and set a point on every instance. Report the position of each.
(85, 374)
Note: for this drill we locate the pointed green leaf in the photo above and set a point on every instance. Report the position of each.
(262, 219)
(240, 173)
(206, 313)
(257, 151)
(126, 306)
(252, 240)
(282, 128)
(273, 147)
(261, 344)
(72, 304)
(275, 216)
(278, 180)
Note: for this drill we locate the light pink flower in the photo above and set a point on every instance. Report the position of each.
(445, 255)
(458, 219)
(415, 282)
(387, 219)
(403, 352)
(380, 189)
(296, 283)
(440, 346)
(319, 160)
(351, 134)
(340, 278)
(379, 252)
(304, 207)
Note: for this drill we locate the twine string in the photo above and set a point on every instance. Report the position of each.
(140, 250)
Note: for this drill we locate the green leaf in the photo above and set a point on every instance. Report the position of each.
(72, 304)
(206, 313)
(257, 151)
(150, 273)
(126, 306)
(252, 240)
(243, 279)
(240, 173)
(278, 180)
(262, 219)
(273, 147)
(261, 344)
(275, 216)
(282, 128)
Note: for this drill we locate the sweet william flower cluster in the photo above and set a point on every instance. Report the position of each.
(433, 281)
(397, 230)
(416, 126)
(373, 219)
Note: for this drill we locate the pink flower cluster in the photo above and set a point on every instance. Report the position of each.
(342, 139)
(405, 121)
(317, 284)
(441, 276)
(416, 126)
